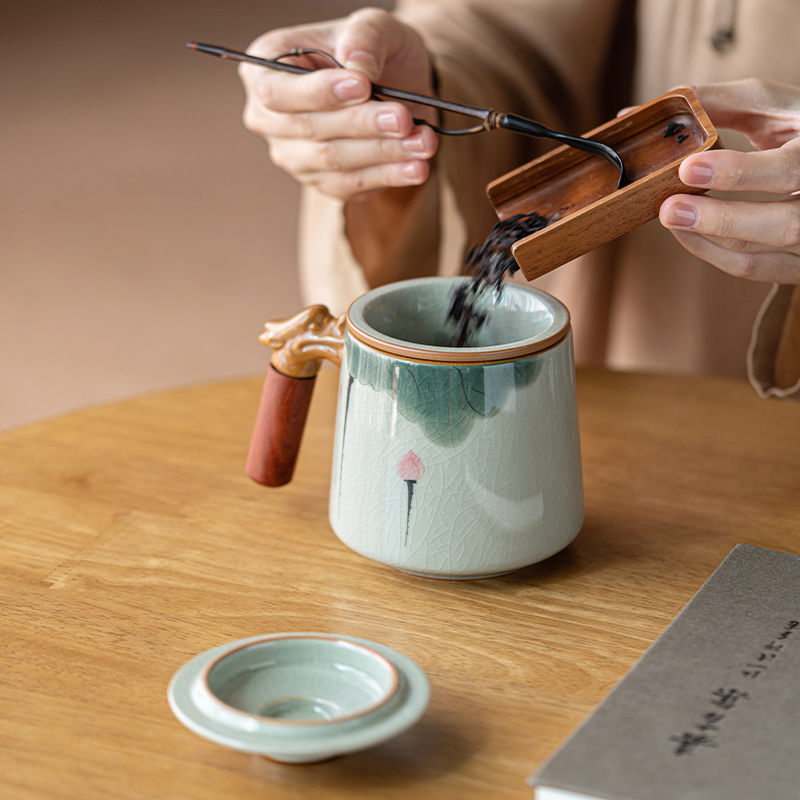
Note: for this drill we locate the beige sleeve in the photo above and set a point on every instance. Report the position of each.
(329, 272)
(431, 242)
(546, 59)
(773, 359)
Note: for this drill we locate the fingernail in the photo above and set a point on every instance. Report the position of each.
(415, 146)
(388, 122)
(699, 174)
(350, 89)
(411, 172)
(681, 215)
(363, 61)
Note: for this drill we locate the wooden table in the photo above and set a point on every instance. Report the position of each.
(132, 541)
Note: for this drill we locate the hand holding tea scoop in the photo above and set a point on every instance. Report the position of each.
(755, 240)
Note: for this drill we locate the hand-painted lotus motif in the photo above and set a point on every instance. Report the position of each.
(444, 400)
(410, 469)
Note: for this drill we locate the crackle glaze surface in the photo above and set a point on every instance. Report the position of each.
(456, 471)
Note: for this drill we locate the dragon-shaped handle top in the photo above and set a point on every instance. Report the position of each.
(302, 341)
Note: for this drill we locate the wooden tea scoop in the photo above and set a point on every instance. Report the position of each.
(579, 196)
(490, 118)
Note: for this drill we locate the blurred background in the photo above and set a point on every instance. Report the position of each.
(144, 235)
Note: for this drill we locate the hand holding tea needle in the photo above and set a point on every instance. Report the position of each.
(323, 128)
(483, 119)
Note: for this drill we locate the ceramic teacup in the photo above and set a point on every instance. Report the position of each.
(454, 462)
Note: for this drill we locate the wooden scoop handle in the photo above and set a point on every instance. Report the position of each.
(278, 429)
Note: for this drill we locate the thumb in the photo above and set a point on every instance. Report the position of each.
(364, 41)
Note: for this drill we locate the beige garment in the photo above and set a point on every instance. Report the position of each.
(641, 302)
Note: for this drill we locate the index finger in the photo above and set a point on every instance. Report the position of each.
(776, 171)
(320, 90)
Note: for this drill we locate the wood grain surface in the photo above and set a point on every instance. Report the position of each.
(578, 192)
(132, 540)
(278, 429)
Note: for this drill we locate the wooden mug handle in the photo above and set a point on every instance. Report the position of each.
(278, 429)
(300, 343)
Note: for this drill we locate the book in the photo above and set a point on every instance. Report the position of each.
(711, 711)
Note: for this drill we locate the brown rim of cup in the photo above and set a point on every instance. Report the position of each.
(392, 691)
(466, 356)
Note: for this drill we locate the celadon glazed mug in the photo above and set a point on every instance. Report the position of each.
(449, 462)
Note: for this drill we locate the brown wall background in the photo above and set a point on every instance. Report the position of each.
(144, 234)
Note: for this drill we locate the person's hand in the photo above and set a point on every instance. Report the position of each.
(756, 240)
(322, 128)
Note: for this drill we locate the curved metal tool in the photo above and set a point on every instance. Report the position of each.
(489, 117)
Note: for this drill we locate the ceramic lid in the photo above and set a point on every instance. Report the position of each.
(208, 707)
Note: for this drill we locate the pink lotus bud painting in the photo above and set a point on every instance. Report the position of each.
(410, 469)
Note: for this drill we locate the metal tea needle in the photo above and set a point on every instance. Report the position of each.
(490, 119)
